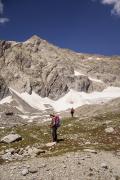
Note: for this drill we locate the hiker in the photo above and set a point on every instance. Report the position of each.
(55, 123)
(72, 112)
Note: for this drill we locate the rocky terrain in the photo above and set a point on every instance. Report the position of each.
(83, 165)
(34, 75)
(88, 148)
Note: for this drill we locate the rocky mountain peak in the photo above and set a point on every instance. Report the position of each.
(38, 66)
(34, 39)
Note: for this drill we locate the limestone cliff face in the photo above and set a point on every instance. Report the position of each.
(4, 91)
(36, 65)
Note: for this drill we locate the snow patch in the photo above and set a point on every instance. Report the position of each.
(96, 80)
(90, 58)
(71, 99)
(98, 58)
(6, 100)
(20, 108)
(28, 117)
(27, 42)
(76, 73)
(33, 100)
(2, 127)
(13, 43)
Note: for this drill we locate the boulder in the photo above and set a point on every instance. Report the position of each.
(7, 156)
(33, 151)
(25, 172)
(11, 138)
(50, 144)
(104, 165)
(109, 130)
(33, 170)
(11, 150)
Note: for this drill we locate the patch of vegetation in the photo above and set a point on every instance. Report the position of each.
(75, 135)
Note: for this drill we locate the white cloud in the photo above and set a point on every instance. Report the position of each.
(2, 19)
(116, 5)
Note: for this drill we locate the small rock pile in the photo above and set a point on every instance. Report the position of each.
(21, 153)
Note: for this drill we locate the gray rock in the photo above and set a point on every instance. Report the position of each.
(20, 151)
(39, 151)
(104, 165)
(87, 142)
(34, 151)
(7, 156)
(33, 170)
(13, 167)
(25, 172)
(11, 138)
(11, 150)
(50, 144)
(109, 130)
(42, 166)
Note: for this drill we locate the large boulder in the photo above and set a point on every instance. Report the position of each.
(11, 138)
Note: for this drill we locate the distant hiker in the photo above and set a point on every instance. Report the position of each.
(72, 112)
(55, 123)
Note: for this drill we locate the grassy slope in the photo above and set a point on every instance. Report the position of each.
(75, 134)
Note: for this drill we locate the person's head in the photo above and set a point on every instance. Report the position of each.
(52, 115)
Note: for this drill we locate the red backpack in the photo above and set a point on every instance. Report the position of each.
(57, 121)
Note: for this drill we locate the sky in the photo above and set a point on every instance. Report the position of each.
(86, 26)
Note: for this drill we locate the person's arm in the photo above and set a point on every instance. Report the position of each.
(52, 122)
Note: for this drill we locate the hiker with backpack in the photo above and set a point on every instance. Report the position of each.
(72, 112)
(55, 123)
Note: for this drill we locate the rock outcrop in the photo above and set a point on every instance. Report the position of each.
(4, 91)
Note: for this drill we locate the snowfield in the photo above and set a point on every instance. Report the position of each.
(71, 99)
(6, 100)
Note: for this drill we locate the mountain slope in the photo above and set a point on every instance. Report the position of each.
(36, 65)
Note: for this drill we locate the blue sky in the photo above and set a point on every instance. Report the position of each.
(88, 26)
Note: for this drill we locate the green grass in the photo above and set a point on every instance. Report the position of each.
(73, 132)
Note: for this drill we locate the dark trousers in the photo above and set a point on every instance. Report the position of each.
(54, 133)
(72, 114)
